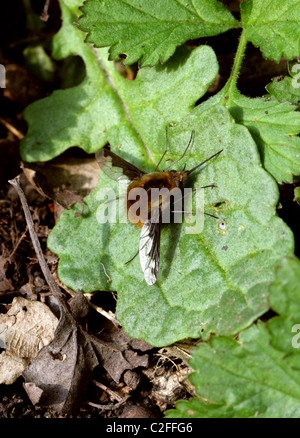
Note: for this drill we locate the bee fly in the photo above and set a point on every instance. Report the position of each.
(150, 224)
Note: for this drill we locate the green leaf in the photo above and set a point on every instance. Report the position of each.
(106, 107)
(297, 195)
(150, 31)
(37, 61)
(293, 68)
(215, 281)
(273, 26)
(248, 378)
(285, 90)
(258, 375)
(284, 291)
(273, 125)
(284, 299)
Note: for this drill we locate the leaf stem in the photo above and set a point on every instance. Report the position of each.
(231, 83)
(36, 243)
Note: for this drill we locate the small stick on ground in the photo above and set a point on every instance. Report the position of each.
(109, 315)
(110, 406)
(18, 243)
(63, 286)
(35, 241)
(109, 391)
(44, 15)
(12, 129)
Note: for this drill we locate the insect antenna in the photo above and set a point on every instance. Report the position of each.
(132, 258)
(189, 144)
(196, 211)
(207, 159)
(167, 144)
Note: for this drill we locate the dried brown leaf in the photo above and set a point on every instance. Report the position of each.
(27, 327)
(24, 330)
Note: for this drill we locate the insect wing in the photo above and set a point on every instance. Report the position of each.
(116, 167)
(149, 248)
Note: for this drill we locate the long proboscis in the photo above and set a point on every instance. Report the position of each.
(205, 161)
(185, 151)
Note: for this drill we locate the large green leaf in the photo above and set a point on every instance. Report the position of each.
(151, 30)
(248, 378)
(273, 26)
(285, 289)
(258, 375)
(106, 107)
(215, 281)
(285, 90)
(274, 126)
(297, 195)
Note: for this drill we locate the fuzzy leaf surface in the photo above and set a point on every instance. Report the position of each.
(274, 126)
(213, 281)
(258, 376)
(150, 31)
(285, 90)
(106, 107)
(273, 26)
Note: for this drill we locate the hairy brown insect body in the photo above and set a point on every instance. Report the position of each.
(169, 180)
